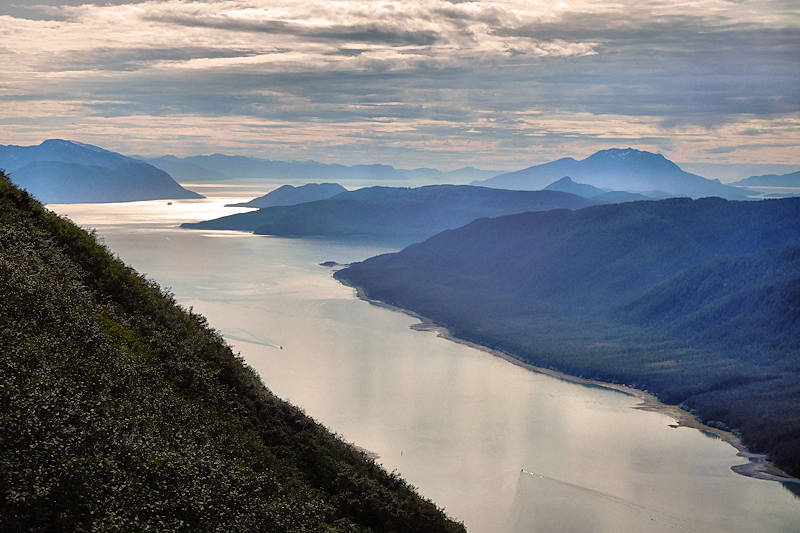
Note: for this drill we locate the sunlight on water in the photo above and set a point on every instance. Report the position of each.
(502, 448)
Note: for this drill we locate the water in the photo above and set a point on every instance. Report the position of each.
(500, 447)
(775, 192)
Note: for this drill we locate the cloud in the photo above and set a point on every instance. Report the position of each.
(434, 81)
(368, 33)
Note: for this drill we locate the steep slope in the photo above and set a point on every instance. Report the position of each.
(124, 412)
(728, 303)
(771, 180)
(397, 215)
(58, 171)
(618, 169)
(290, 195)
(696, 301)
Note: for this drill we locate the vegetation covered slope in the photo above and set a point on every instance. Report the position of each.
(396, 214)
(696, 301)
(121, 411)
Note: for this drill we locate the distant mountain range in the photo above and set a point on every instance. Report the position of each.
(226, 167)
(697, 301)
(291, 195)
(393, 214)
(460, 175)
(772, 180)
(618, 169)
(67, 171)
(59, 171)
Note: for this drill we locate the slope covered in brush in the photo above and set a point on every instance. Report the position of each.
(123, 411)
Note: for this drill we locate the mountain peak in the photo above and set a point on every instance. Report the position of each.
(64, 143)
(52, 142)
(567, 184)
(63, 171)
(618, 169)
(625, 153)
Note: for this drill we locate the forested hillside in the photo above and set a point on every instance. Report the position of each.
(122, 411)
(697, 301)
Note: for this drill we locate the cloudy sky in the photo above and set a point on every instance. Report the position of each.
(500, 84)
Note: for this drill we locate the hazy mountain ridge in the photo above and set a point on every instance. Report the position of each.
(618, 169)
(291, 195)
(772, 180)
(124, 411)
(463, 174)
(227, 167)
(635, 293)
(59, 171)
(394, 214)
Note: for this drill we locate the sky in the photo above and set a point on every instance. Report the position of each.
(498, 85)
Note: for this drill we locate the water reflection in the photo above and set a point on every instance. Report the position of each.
(500, 447)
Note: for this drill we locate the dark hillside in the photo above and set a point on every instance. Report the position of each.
(122, 411)
(697, 301)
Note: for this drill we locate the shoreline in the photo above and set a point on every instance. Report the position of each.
(757, 465)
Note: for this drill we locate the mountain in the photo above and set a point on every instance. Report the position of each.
(290, 195)
(226, 167)
(598, 196)
(59, 171)
(124, 411)
(452, 176)
(697, 301)
(771, 180)
(392, 214)
(566, 184)
(618, 169)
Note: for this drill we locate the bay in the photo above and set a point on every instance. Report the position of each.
(500, 447)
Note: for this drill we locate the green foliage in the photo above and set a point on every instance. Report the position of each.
(124, 412)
